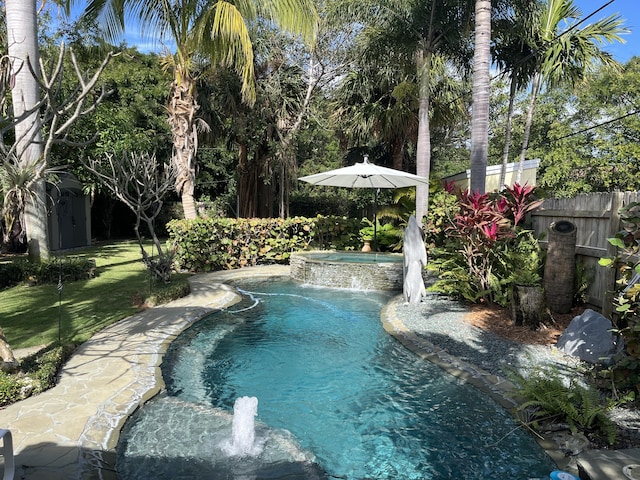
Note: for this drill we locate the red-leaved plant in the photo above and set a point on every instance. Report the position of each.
(481, 228)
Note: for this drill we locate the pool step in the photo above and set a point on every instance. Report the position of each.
(608, 464)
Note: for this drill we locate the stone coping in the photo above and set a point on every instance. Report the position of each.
(71, 431)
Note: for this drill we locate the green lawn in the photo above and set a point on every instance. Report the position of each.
(29, 315)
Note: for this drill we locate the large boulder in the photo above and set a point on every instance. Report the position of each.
(589, 337)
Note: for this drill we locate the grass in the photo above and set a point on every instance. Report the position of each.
(30, 315)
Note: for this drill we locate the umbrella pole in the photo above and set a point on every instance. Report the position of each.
(375, 221)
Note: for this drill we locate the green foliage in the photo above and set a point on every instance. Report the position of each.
(546, 397)
(10, 388)
(626, 371)
(37, 373)
(480, 247)
(165, 293)
(207, 244)
(50, 271)
(388, 236)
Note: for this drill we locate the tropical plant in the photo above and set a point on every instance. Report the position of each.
(547, 397)
(20, 16)
(626, 371)
(480, 102)
(141, 184)
(217, 31)
(567, 56)
(480, 240)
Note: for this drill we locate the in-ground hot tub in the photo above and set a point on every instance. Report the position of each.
(353, 270)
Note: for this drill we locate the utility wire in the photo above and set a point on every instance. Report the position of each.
(584, 130)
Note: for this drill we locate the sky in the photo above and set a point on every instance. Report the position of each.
(628, 9)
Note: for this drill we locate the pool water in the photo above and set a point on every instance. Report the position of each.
(347, 400)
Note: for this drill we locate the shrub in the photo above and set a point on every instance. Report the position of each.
(207, 244)
(50, 271)
(626, 371)
(479, 242)
(10, 388)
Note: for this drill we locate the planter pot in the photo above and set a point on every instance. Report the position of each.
(367, 246)
(528, 306)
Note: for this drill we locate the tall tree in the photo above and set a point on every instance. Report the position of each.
(567, 56)
(513, 47)
(480, 101)
(217, 31)
(423, 33)
(22, 40)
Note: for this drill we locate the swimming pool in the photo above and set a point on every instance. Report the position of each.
(340, 396)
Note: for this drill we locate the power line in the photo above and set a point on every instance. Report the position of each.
(579, 132)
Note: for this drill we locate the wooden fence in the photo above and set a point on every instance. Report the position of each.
(596, 218)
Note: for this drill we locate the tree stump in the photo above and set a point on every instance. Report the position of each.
(528, 307)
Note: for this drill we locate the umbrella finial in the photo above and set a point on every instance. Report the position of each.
(366, 158)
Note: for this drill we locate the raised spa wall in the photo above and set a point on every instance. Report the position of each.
(383, 272)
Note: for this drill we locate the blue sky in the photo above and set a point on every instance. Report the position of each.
(628, 9)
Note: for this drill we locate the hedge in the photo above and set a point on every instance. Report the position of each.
(208, 244)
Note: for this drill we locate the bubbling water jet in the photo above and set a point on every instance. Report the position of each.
(243, 431)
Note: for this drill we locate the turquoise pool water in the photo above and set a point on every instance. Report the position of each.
(335, 392)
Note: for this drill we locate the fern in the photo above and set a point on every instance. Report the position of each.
(545, 395)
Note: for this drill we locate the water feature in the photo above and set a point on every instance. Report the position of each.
(351, 270)
(243, 429)
(338, 397)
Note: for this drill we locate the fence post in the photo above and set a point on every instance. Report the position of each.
(611, 273)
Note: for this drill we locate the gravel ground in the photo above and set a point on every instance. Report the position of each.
(440, 321)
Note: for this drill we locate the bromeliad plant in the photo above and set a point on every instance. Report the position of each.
(473, 260)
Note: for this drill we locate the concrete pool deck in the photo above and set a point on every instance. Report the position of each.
(71, 431)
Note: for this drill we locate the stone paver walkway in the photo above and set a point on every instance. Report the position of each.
(71, 431)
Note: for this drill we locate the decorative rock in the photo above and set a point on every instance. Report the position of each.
(589, 337)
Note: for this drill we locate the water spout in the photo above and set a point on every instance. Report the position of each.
(243, 432)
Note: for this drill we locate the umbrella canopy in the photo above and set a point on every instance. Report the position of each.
(365, 175)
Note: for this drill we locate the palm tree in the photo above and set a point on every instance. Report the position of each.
(216, 31)
(423, 33)
(514, 55)
(480, 100)
(22, 40)
(567, 56)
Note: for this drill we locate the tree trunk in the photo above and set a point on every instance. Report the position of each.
(22, 36)
(182, 112)
(528, 306)
(423, 150)
(535, 85)
(507, 135)
(481, 87)
(397, 153)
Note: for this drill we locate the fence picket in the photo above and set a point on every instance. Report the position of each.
(596, 218)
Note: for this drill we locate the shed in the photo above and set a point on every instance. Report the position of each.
(493, 175)
(69, 214)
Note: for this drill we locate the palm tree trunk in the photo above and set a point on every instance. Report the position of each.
(481, 87)
(22, 35)
(535, 86)
(423, 150)
(182, 112)
(507, 135)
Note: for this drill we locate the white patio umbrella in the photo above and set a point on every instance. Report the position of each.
(366, 175)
